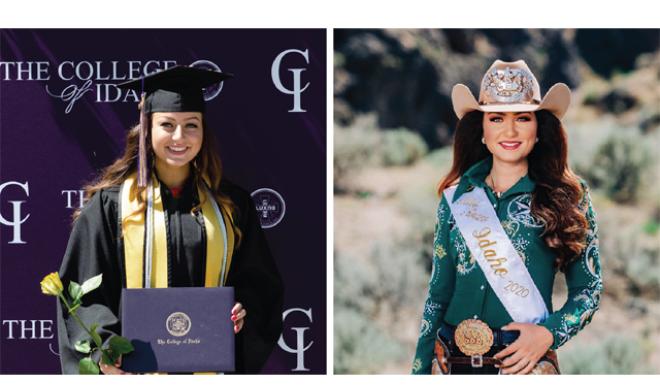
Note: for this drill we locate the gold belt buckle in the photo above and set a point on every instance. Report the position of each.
(474, 338)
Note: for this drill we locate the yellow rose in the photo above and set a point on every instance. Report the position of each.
(52, 284)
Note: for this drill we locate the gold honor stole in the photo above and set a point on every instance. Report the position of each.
(153, 273)
(503, 267)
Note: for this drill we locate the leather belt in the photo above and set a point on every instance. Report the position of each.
(474, 362)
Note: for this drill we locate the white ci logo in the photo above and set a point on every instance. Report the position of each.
(15, 221)
(296, 91)
(300, 348)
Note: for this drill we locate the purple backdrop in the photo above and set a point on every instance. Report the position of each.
(60, 124)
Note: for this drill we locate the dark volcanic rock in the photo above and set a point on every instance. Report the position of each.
(607, 51)
(616, 101)
(406, 76)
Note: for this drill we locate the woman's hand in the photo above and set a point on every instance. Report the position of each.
(112, 369)
(238, 314)
(522, 355)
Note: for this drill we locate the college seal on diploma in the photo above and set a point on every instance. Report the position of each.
(179, 329)
(178, 324)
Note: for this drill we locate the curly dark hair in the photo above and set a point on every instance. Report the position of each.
(558, 191)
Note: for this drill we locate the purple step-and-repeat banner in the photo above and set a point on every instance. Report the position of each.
(62, 120)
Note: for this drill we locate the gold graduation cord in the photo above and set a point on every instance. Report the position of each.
(133, 234)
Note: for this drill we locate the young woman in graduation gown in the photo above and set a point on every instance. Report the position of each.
(171, 152)
(489, 306)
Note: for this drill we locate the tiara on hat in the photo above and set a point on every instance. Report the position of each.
(512, 86)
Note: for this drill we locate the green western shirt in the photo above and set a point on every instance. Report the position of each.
(458, 289)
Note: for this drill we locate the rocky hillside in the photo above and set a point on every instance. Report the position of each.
(406, 76)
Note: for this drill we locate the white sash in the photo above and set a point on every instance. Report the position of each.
(503, 267)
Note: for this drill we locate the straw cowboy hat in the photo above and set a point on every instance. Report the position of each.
(510, 87)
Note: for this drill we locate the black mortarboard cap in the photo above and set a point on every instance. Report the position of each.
(177, 89)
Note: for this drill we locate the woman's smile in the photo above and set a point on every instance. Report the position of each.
(177, 150)
(510, 145)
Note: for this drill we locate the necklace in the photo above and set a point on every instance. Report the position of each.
(498, 194)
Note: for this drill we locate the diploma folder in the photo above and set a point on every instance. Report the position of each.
(183, 329)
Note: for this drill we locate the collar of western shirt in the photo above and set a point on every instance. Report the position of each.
(476, 176)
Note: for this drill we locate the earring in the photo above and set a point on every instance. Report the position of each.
(537, 140)
(483, 140)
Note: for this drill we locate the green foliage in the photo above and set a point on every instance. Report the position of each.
(339, 59)
(619, 167)
(76, 292)
(652, 227)
(108, 357)
(613, 355)
(92, 284)
(83, 346)
(591, 98)
(120, 345)
(117, 346)
(402, 147)
(87, 366)
(95, 335)
(52, 285)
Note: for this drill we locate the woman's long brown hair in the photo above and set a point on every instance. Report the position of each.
(206, 163)
(558, 191)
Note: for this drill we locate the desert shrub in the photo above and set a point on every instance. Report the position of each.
(585, 139)
(642, 266)
(420, 203)
(613, 355)
(619, 167)
(629, 247)
(402, 147)
(441, 159)
(360, 346)
(355, 147)
(400, 275)
(353, 280)
(364, 144)
(371, 295)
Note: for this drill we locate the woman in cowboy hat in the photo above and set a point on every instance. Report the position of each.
(511, 214)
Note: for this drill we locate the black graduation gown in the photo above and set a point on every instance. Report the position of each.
(94, 248)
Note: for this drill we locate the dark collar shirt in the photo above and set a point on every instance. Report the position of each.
(458, 288)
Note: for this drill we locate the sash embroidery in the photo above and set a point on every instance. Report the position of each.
(503, 267)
